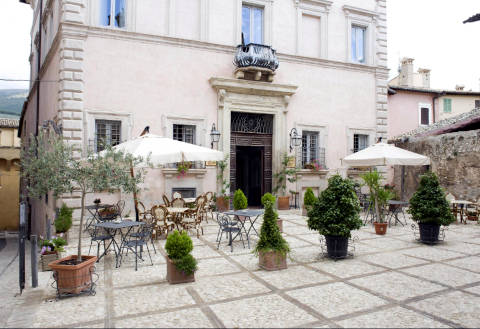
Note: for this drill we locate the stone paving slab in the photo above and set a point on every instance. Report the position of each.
(444, 274)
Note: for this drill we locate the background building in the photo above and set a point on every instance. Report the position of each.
(122, 65)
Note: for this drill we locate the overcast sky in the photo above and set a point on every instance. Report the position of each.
(431, 31)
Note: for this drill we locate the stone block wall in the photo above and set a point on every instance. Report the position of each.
(455, 159)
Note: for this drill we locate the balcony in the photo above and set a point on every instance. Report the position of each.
(255, 62)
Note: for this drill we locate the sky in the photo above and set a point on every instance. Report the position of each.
(430, 31)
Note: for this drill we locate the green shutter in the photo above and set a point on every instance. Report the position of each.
(447, 105)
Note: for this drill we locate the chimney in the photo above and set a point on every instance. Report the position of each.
(459, 87)
(425, 74)
(406, 72)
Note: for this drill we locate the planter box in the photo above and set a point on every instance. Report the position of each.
(73, 279)
(175, 276)
(46, 259)
(429, 232)
(283, 203)
(337, 246)
(272, 261)
(280, 225)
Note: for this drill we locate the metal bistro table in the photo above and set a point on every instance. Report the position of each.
(112, 228)
(93, 210)
(247, 214)
(395, 208)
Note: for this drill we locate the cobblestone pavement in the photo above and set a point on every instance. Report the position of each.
(392, 281)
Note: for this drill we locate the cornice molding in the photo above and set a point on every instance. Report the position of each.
(360, 11)
(252, 87)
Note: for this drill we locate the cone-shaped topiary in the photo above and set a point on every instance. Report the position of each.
(239, 200)
(270, 238)
(178, 248)
(63, 222)
(428, 204)
(337, 210)
(268, 197)
(309, 198)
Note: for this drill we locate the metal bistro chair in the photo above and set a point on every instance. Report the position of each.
(228, 226)
(98, 235)
(108, 214)
(134, 242)
(161, 220)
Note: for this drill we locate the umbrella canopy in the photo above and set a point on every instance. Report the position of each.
(163, 150)
(382, 154)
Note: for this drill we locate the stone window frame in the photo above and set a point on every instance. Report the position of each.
(130, 14)
(351, 131)
(316, 8)
(362, 18)
(430, 114)
(267, 6)
(322, 131)
(200, 123)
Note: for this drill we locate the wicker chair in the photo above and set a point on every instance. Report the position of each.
(209, 204)
(120, 206)
(166, 201)
(161, 221)
(193, 219)
(176, 195)
(178, 203)
(472, 212)
(143, 213)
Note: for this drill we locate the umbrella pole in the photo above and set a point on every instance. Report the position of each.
(135, 201)
(402, 184)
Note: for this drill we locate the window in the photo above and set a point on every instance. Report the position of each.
(360, 142)
(358, 44)
(447, 105)
(107, 132)
(477, 103)
(252, 24)
(184, 133)
(309, 147)
(424, 116)
(115, 9)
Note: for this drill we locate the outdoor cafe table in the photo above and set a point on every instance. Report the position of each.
(463, 206)
(177, 214)
(112, 228)
(247, 214)
(394, 208)
(93, 210)
(189, 200)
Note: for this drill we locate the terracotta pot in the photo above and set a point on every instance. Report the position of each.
(174, 275)
(222, 204)
(280, 225)
(283, 203)
(272, 261)
(73, 279)
(380, 228)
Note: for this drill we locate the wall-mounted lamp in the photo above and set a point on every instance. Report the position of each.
(295, 139)
(214, 135)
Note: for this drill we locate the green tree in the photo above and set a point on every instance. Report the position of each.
(270, 238)
(309, 198)
(63, 222)
(51, 164)
(284, 175)
(379, 195)
(428, 204)
(336, 212)
(224, 184)
(178, 248)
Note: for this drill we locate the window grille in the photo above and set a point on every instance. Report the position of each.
(184, 133)
(252, 123)
(309, 147)
(107, 132)
(360, 142)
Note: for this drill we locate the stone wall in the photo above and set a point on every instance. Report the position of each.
(455, 159)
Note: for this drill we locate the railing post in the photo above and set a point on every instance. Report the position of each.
(21, 246)
(34, 260)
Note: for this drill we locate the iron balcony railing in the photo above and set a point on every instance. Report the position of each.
(256, 55)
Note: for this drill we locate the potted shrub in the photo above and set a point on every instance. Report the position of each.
(429, 208)
(268, 197)
(239, 200)
(181, 265)
(50, 251)
(308, 201)
(222, 200)
(63, 222)
(379, 197)
(285, 174)
(271, 247)
(50, 164)
(334, 214)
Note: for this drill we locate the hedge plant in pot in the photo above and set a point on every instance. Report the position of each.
(271, 248)
(379, 197)
(335, 214)
(429, 208)
(63, 222)
(283, 176)
(222, 200)
(308, 201)
(268, 197)
(181, 265)
(51, 165)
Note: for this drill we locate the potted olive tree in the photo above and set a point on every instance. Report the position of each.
(429, 208)
(335, 214)
(308, 201)
(379, 197)
(271, 247)
(50, 164)
(268, 197)
(181, 265)
(283, 176)
(222, 200)
(63, 222)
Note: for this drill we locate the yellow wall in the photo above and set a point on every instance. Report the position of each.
(8, 137)
(9, 179)
(460, 104)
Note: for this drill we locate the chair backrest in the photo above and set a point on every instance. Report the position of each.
(141, 207)
(200, 205)
(225, 222)
(209, 196)
(178, 203)
(166, 201)
(159, 213)
(177, 195)
(120, 206)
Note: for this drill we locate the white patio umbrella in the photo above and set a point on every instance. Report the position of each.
(162, 150)
(382, 154)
